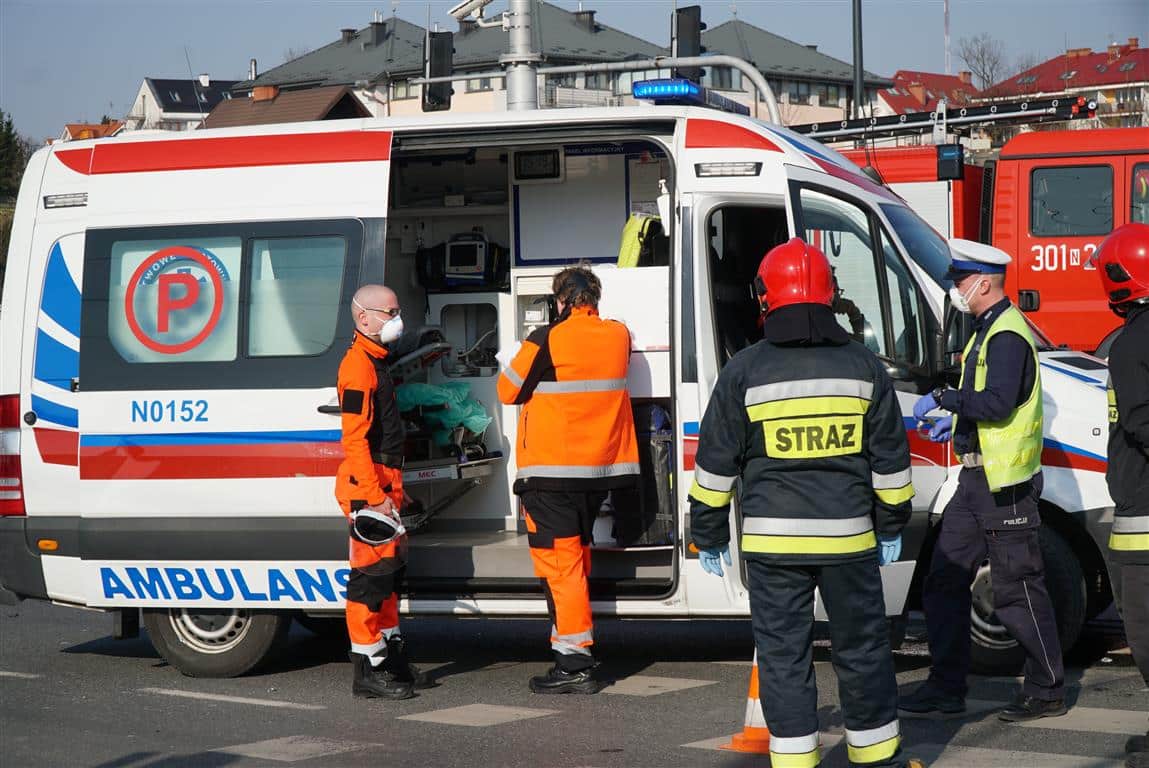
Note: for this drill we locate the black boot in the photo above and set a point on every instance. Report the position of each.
(403, 670)
(1028, 708)
(558, 680)
(371, 682)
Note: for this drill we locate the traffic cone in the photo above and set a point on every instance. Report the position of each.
(755, 736)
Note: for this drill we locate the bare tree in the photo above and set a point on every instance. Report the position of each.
(293, 53)
(1026, 62)
(984, 56)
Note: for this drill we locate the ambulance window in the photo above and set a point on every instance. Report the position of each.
(1071, 201)
(905, 306)
(842, 231)
(1139, 194)
(164, 300)
(295, 289)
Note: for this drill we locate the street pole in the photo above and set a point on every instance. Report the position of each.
(859, 87)
(520, 59)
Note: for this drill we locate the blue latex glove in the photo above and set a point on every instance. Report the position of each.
(889, 550)
(942, 430)
(709, 559)
(924, 405)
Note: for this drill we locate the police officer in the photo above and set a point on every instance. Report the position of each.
(996, 425)
(1123, 265)
(576, 442)
(808, 421)
(369, 488)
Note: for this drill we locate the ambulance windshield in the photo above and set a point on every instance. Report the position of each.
(925, 245)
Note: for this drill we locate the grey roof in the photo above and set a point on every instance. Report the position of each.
(188, 95)
(778, 57)
(560, 36)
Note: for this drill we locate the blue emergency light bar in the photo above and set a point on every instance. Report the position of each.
(686, 93)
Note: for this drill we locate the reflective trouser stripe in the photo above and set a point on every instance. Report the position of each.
(894, 496)
(710, 498)
(807, 526)
(873, 753)
(369, 650)
(579, 642)
(806, 406)
(795, 751)
(809, 545)
(1127, 542)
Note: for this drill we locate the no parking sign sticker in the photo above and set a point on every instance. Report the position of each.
(181, 301)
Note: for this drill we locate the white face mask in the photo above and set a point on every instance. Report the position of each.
(960, 301)
(390, 329)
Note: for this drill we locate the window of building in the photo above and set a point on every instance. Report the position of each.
(1127, 66)
(1028, 79)
(828, 94)
(599, 81)
(799, 91)
(1102, 68)
(1071, 200)
(1139, 194)
(293, 295)
(1069, 75)
(723, 79)
(403, 89)
(174, 96)
(477, 84)
(568, 80)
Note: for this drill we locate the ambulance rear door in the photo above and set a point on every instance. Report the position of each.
(217, 277)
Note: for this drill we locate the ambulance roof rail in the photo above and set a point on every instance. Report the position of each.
(1030, 111)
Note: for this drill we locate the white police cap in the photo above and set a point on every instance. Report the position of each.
(968, 256)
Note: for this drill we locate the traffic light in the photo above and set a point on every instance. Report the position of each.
(686, 40)
(440, 50)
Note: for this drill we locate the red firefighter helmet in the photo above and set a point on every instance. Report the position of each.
(1122, 260)
(794, 273)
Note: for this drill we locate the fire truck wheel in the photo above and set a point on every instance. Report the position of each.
(993, 651)
(215, 643)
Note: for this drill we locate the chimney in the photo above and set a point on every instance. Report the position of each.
(1074, 53)
(586, 19)
(1133, 44)
(252, 70)
(1114, 51)
(346, 35)
(966, 77)
(264, 92)
(378, 33)
(204, 81)
(812, 47)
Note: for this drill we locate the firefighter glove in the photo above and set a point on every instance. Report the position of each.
(942, 430)
(709, 559)
(889, 549)
(924, 405)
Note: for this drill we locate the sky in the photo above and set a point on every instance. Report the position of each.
(75, 60)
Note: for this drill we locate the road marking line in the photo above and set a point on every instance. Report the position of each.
(479, 715)
(290, 749)
(645, 685)
(943, 756)
(230, 699)
(828, 740)
(19, 675)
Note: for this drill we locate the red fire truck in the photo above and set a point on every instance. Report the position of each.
(1049, 199)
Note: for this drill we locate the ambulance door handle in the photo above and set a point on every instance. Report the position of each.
(334, 410)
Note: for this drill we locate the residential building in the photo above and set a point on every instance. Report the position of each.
(267, 104)
(78, 131)
(1117, 79)
(176, 105)
(914, 92)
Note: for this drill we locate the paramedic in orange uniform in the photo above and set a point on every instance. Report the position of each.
(369, 488)
(576, 442)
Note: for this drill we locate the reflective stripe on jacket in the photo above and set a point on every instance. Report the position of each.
(815, 436)
(576, 427)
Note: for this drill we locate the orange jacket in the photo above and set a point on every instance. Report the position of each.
(576, 427)
(372, 428)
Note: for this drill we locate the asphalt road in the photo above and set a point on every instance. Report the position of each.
(72, 696)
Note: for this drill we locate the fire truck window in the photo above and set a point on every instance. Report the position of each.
(295, 289)
(1139, 194)
(1071, 201)
(842, 231)
(174, 301)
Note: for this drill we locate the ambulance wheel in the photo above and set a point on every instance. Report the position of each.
(215, 643)
(993, 650)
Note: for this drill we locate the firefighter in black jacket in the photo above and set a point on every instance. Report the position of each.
(808, 421)
(1123, 265)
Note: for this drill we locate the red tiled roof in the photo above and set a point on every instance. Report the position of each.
(920, 91)
(77, 131)
(1078, 68)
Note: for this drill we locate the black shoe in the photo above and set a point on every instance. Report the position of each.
(558, 680)
(1137, 744)
(1137, 760)
(370, 682)
(1028, 708)
(403, 670)
(928, 703)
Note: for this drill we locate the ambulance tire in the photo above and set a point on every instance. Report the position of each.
(215, 643)
(993, 651)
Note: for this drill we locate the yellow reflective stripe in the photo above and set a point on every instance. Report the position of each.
(874, 753)
(710, 498)
(799, 760)
(807, 406)
(808, 545)
(1128, 542)
(895, 495)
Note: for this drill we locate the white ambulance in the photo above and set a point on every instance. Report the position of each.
(176, 306)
